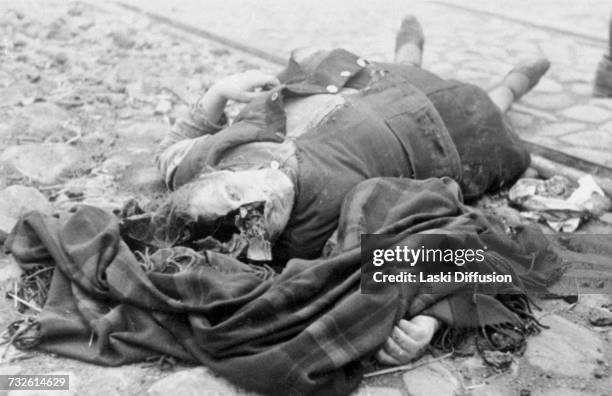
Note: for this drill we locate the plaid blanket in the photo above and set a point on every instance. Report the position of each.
(304, 331)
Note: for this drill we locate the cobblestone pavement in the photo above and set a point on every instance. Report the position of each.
(583, 18)
(85, 96)
(464, 45)
(91, 91)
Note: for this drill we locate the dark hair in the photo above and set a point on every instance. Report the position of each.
(172, 221)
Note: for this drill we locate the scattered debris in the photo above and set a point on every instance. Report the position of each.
(32, 288)
(499, 360)
(558, 202)
(124, 39)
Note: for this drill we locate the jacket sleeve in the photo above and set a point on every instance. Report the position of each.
(185, 132)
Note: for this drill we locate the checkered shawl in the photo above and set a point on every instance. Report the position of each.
(305, 331)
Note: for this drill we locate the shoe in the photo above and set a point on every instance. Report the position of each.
(533, 70)
(410, 31)
(602, 86)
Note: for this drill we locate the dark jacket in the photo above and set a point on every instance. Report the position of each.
(391, 128)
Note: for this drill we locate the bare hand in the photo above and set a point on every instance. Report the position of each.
(408, 340)
(242, 87)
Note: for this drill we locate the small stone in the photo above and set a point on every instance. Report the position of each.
(16, 93)
(60, 59)
(40, 120)
(564, 342)
(44, 163)
(587, 113)
(116, 164)
(498, 360)
(163, 107)
(33, 78)
(76, 9)
(123, 40)
(16, 200)
(192, 383)
(474, 369)
(525, 392)
(600, 317)
(606, 217)
(130, 70)
(599, 373)
(201, 69)
(433, 379)
(146, 178)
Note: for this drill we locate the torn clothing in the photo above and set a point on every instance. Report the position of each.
(304, 331)
(402, 122)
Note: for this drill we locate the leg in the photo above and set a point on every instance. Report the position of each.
(602, 86)
(502, 96)
(409, 42)
(521, 79)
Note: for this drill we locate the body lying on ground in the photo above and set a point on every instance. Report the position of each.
(337, 144)
(329, 121)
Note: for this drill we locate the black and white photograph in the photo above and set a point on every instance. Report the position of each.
(304, 198)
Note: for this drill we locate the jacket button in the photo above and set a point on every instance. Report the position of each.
(361, 62)
(345, 73)
(274, 96)
(274, 165)
(332, 89)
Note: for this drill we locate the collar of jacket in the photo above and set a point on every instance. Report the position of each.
(327, 76)
(264, 119)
